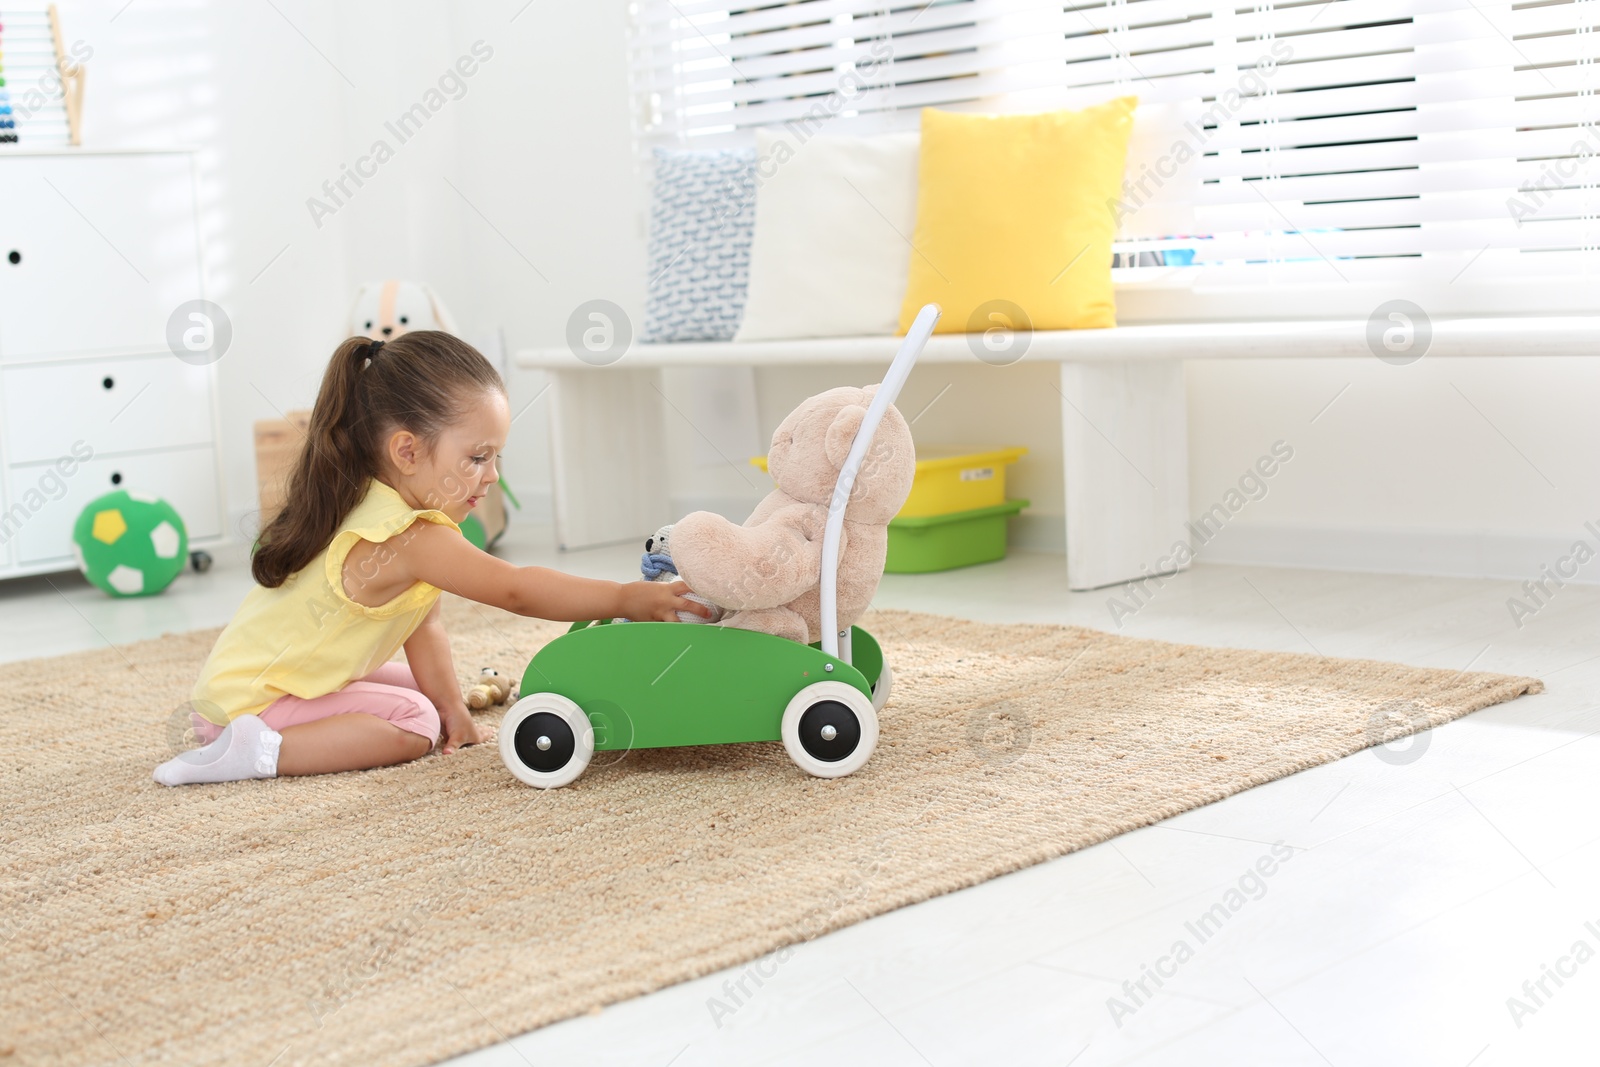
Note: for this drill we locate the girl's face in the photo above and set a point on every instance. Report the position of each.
(456, 473)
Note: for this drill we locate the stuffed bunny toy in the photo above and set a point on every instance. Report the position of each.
(385, 310)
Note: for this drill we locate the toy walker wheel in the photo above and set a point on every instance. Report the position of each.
(546, 740)
(200, 560)
(880, 688)
(830, 729)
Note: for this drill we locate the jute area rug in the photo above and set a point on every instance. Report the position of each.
(405, 915)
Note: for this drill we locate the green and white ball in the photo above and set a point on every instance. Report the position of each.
(130, 544)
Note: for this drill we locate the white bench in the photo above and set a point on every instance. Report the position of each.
(1123, 417)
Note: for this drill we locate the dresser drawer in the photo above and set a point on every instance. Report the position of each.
(41, 527)
(112, 405)
(96, 251)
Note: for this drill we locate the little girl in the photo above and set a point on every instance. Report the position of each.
(403, 444)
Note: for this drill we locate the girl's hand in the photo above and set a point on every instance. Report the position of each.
(460, 729)
(658, 602)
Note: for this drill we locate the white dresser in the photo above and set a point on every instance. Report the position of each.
(97, 249)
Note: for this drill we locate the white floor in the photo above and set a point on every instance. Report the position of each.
(1428, 881)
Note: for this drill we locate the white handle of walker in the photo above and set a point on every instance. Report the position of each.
(899, 371)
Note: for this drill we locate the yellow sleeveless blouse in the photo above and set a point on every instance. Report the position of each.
(307, 638)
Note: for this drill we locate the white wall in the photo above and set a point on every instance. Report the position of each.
(277, 104)
(545, 158)
(195, 74)
(1441, 465)
(1444, 466)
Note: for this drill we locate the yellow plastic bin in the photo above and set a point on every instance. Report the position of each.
(948, 481)
(956, 513)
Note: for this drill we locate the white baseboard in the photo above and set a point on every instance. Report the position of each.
(536, 507)
(1037, 533)
(1454, 553)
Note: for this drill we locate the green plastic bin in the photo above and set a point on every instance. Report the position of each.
(926, 543)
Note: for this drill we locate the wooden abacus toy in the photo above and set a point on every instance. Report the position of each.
(41, 85)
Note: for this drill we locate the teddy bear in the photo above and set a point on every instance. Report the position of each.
(765, 573)
(492, 688)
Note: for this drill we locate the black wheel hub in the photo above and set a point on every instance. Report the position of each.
(560, 743)
(846, 731)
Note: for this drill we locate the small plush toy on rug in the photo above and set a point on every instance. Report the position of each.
(765, 573)
(492, 688)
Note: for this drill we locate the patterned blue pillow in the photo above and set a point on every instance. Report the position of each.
(702, 214)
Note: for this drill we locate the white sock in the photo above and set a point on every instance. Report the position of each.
(248, 748)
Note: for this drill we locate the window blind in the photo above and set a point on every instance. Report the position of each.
(1335, 141)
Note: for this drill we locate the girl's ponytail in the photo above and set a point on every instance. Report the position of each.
(418, 381)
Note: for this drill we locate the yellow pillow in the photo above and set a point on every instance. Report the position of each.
(1019, 208)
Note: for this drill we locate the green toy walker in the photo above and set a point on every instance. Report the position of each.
(608, 688)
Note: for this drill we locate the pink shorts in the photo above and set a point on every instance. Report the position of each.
(390, 693)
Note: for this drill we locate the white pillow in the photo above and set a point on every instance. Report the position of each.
(834, 218)
(1162, 181)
